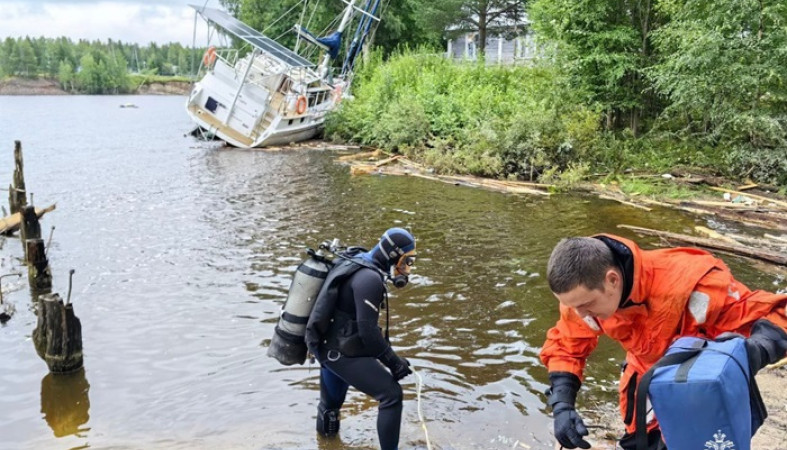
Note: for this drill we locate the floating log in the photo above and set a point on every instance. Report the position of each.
(17, 196)
(366, 155)
(764, 255)
(623, 202)
(58, 334)
(387, 160)
(713, 234)
(11, 223)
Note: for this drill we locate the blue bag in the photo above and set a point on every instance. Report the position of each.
(703, 396)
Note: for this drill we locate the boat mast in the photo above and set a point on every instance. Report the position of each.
(326, 60)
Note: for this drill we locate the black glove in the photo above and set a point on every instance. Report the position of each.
(398, 366)
(569, 428)
(766, 345)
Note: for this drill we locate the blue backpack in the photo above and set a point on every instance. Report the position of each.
(703, 396)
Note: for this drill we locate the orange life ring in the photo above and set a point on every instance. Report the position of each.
(301, 105)
(209, 57)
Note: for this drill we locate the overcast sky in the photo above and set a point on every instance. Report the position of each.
(140, 21)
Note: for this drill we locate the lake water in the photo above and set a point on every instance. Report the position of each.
(183, 253)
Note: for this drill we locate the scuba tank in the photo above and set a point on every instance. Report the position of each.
(288, 345)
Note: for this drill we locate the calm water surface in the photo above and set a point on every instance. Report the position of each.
(183, 253)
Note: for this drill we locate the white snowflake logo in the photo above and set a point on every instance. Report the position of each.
(719, 442)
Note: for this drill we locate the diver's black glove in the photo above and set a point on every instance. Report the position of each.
(766, 345)
(569, 428)
(398, 366)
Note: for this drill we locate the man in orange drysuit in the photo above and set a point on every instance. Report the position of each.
(644, 300)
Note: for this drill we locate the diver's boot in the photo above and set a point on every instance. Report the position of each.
(327, 421)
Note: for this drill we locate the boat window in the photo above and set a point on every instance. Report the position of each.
(289, 122)
(211, 104)
(302, 118)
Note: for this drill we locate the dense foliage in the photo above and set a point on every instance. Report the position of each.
(621, 85)
(91, 67)
(502, 120)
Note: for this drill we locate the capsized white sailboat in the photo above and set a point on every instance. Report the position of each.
(272, 95)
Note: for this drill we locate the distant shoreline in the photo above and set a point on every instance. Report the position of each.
(40, 86)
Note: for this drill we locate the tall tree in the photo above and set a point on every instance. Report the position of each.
(28, 63)
(724, 69)
(605, 45)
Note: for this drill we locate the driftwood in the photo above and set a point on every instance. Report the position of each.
(414, 169)
(363, 155)
(11, 223)
(742, 250)
(58, 335)
(713, 234)
(624, 202)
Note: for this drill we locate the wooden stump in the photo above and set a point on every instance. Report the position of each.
(17, 196)
(31, 228)
(39, 275)
(58, 335)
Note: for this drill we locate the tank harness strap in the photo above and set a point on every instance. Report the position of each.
(292, 318)
(387, 317)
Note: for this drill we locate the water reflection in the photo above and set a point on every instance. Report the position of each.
(65, 403)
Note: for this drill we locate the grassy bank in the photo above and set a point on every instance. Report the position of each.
(524, 122)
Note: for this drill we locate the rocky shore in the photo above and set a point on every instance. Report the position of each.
(24, 86)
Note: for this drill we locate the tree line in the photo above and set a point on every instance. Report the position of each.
(92, 67)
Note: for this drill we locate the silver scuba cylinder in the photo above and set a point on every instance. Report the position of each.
(288, 345)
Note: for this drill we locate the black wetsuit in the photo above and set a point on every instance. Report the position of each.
(361, 297)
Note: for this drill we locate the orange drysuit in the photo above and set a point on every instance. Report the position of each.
(674, 292)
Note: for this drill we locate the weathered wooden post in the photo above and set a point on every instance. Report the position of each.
(17, 195)
(38, 273)
(58, 334)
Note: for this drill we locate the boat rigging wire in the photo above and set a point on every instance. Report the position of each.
(282, 16)
(300, 21)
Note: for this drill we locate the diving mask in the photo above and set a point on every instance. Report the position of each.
(400, 272)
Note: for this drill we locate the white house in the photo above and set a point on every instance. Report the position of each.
(507, 42)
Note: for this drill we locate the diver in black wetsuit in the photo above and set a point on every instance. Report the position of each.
(354, 348)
